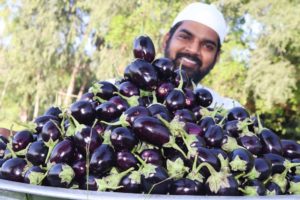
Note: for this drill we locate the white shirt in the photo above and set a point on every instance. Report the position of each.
(219, 100)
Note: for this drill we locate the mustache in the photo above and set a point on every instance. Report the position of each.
(189, 56)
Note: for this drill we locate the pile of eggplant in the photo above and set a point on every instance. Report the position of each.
(152, 132)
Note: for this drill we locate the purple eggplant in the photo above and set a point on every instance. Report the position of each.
(79, 167)
(181, 74)
(40, 121)
(143, 48)
(204, 97)
(34, 175)
(175, 100)
(251, 143)
(102, 159)
(2, 148)
(37, 153)
(205, 123)
(152, 156)
(21, 140)
(87, 140)
(123, 139)
(205, 155)
(241, 160)
(88, 182)
(51, 130)
(129, 89)
(291, 148)
(60, 175)
(157, 108)
(13, 169)
(163, 90)
(232, 128)
(294, 183)
(83, 112)
(185, 115)
(237, 113)
(126, 160)
(54, 111)
(104, 90)
(273, 189)
(270, 141)
(193, 129)
(254, 188)
(185, 186)
(131, 183)
(63, 152)
(190, 98)
(214, 136)
(107, 111)
(142, 74)
(164, 67)
(261, 171)
(277, 162)
(135, 112)
(120, 103)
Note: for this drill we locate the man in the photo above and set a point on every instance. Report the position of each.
(195, 40)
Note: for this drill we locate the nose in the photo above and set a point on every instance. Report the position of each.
(193, 47)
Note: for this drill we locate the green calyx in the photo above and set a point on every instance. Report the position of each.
(238, 164)
(67, 174)
(294, 188)
(230, 145)
(176, 169)
(121, 122)
(36, 178)
(249, 190)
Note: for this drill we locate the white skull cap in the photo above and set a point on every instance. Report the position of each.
(205, 14)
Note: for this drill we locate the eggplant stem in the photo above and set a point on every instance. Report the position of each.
(210, 168)
(180, 86)
(155, 184)
(175, 146)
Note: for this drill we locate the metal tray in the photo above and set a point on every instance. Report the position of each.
(10, 190)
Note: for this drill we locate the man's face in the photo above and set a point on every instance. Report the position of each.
(195, 46)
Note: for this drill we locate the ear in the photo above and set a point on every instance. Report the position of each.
(165, 39)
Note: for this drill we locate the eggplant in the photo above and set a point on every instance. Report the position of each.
(164, 67)
(262, 169)
(54, 111)
(152, 156)
(60, 175)
(79, 167)
(175, 100)
(142, 74)
(2, 148)
(51, 130)
(185, 186)
(102, 159)
(13, 169)
(37, 153)
(63, 152)
(205, 155)
(294, 185)
(135, 112)
(193, 129)
(157, 108)
(237, 113)
(126, 160)
(232, 128)
(88, 182)
(254, 188)
(34, 175)
(204, 97)
(120, 103)
(40, 121)
(291, 149)
(123, 139)
(21, 140)
(273, 189)
(197, 110)
(131, 183)
(143, 48)
(181, 74)
(241, 160)
(103, 89)
(83, 112)
(190, 98)
(87, 140)
(277, 162)
(107, 111)
(129, 89)
(214, 136)
(156, 181)
(185, 115)
(163, 90)
(205, 123)
(251, 143)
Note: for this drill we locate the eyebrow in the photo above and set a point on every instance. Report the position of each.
(204, 40)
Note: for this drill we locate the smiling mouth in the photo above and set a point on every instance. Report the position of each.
(188, 62)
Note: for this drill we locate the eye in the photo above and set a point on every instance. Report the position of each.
(183, 36)
(209, 46)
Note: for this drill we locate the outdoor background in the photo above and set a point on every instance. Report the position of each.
(51, 51)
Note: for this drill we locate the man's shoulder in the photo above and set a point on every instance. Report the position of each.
(219, 100)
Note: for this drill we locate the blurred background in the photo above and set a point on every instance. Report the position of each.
(52, 51)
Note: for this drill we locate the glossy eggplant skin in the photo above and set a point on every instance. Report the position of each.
(156, 183)
(151, 130)
(40, 121)
(106, 90)
(206, 155)
(54, 177)
(214, 136)
(87, 139)
(242, 154)
(129, 185)
(142, 74)
(251, 143)
(185, 186)
(21, 139)
(13, 168)
(107, 111)
(175, 100)
(264, 167)
(152, 156)
(165, 68)
(51, 131)
(232, 190)
(143, 48)
(129, 89)
(271, 142)
(123, 139)
(135, 112)
(102, 159)
(63, 152)
(237, 113)
(291, 149)
(125, 160)
(37, 152)
(83, 112)
(203, 97)
(277, 162)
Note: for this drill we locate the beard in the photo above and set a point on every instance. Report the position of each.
(197, 73)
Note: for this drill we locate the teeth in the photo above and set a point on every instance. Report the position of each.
(188, 60)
